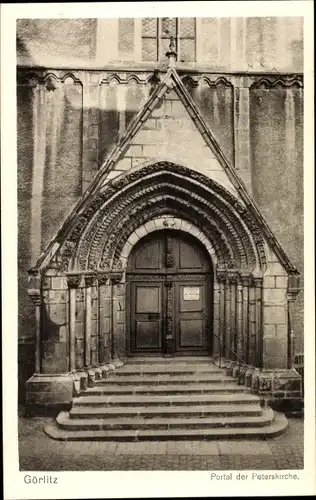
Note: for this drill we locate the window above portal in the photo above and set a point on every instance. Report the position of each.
(156, 33)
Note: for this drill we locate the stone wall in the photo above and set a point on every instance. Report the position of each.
(276, 140)
(242, 44)
(68, 123)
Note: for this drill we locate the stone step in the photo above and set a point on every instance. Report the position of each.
(277, 426)
(154, 360)
(159, 389)
(163, 400)
(154, 379)
(229, 409)
(65, 422)
(162, 369)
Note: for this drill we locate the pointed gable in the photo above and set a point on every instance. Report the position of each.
(169, 127)
(170, 133)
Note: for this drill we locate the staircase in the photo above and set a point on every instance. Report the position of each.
(166, 399)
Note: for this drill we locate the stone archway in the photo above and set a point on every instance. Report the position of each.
(80, 296)
(95, 252)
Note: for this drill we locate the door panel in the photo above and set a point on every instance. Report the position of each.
(170, 277)
(146, 316)
(191, 333)
(191, 315)
(149, 257)
(191, 298)
(147, 299)
(148, 334)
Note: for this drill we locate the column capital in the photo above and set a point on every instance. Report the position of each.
(246, 278)
(116, 277)
(233, 276)
(35, 296)
(74, 280)
(89, 279)
(257, 278)
(293, 287)
(103, 278)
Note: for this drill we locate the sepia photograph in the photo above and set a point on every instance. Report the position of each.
(160, 245)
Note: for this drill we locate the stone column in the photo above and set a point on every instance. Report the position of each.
(73, 283)
(252, 324)
(87, 329)
(239, 329)
(104, 326)
(37, 301)
(241, 130)
(39, 155)
(227, 332)
(118, 320)
(221, 278)
(245, 277)
(292, 292)
(107, 41)
(216, 318)
(232, 276)
(258, 306)
(34, 292)
(91, 123)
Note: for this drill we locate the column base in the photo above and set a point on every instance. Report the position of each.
(281, 389)
(47, 394)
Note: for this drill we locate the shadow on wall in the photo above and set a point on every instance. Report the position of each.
(23, 55)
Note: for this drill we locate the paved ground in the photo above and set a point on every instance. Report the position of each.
(39, 452)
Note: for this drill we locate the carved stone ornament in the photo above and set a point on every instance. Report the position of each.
(89, 280)
(144, 199)
(221, 274)
(103, 279)
(35, 296)
(233, 276)
(246, 278)
(34, 280)
(116, 278)
(74, 280)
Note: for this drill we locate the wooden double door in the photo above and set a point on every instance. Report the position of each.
(169, 294)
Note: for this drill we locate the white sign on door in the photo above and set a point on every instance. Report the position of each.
(191, 293)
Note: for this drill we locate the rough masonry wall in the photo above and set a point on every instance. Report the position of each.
(276, 134)
(46, 42)
(242, 44)
(170, 133)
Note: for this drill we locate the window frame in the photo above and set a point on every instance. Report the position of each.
(159, 41)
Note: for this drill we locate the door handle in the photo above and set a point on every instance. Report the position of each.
(153, 316)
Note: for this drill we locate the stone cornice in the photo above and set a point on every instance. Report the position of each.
(51, 77)
(138, 67)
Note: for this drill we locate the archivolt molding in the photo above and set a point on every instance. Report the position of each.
(164, 221)
(105, 224)
(115, 225)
